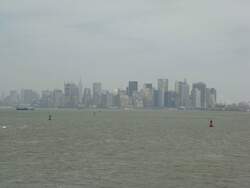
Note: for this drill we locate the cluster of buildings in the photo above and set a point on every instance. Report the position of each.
(199, 96)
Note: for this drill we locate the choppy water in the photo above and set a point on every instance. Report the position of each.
(138, 149)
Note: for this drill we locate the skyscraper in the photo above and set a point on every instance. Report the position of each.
(97, 94)
(132, 87)
(182, 91)
(123, 99)
(162, 92)
(148, 86)
(87, 97)
(196, 98)
(80, 86)
(214, 94)
(46, 100)
(211, 97)
(58, 98)
(148, 95)
(107, 99)
(28, 96)
(71, 92)
(202, 88)
(13, 99)
(171, 99)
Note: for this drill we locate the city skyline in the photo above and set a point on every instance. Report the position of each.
(171, 86)
(43, 43)
(73, 95)
(184, 96)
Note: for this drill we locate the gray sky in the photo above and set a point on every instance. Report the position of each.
(46, 42)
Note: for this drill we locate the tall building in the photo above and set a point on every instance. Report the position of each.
(132, 87)
(80, 86)
(156, 95)
(46, 100)
(214, 94)
(58, 98)
(123, 99)
(87, 97)
(148, 95)
(71, 92)
(116, 98)
(107, 99)
(203, 92)
(211, 97)
(196, 98)
(97, 94)
(171, 99)
(137, 99)
(148, 86)
(28, 96)
(13, 99)
(162, 90)
(182, 91)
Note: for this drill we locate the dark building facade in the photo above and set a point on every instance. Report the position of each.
(132, 87)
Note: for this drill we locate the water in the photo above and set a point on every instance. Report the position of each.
(132, 149)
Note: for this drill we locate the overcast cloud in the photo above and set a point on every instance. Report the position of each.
(46, 42)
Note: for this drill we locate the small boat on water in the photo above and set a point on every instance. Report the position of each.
(24, 108)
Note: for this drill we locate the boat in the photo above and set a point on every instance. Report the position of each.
(24, 108)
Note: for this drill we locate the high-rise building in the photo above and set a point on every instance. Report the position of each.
(29, 97)
(132, 87)
(148, 86)
(148, 95)
(183, 96)
(123, 99)
(162, 90)
(13, 99)
(87, 97)
(196, 98)
(46, 100)
(97, 94)
(214, 94)
(58, 98)
(80, 86)
(156, 95)
(171, 99)
(203, 91)
(137, 99)
(211, 97)
(71, 92)
(107, 99)
(116, 97)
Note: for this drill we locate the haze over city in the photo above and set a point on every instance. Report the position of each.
(124, 93)
(44, 43)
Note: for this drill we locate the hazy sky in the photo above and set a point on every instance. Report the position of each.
(46, 42)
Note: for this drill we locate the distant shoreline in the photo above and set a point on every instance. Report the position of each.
(123, 109)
